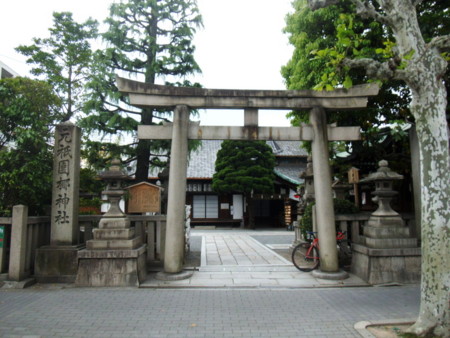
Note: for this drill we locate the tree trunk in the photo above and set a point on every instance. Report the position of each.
(423, 74)
(251, 213)
(422, 69)
(143, 150)
(429, 110)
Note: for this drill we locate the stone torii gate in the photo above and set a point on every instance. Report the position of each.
(182, 99)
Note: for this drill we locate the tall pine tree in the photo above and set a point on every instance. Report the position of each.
(64, 60)
(150, 40)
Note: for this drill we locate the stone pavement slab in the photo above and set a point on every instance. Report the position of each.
(235, 259)
(130, 312)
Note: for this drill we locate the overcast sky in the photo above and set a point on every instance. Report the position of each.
(240, 47)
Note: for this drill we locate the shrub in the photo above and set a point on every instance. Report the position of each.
(340, 207)
(90, 206)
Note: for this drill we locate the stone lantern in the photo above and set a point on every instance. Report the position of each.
(114, 178)
(116, 255)
(384, 179)
(388, 253)
(306, 193)
(308, 176)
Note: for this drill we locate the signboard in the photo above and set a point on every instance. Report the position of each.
(353, 175)
(144, 197)
(2, 235)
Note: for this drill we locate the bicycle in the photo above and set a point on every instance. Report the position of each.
(305, 256)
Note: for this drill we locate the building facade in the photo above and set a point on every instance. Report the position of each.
(231, 210)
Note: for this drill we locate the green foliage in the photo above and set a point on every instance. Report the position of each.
(90, 206)
(341, 207)
(90, 182)
(318, 59)
(245, 167)
(26, 116)
(151, 40)
(322, 39)
(64, 60)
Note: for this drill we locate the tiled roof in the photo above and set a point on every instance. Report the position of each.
(287, 148)
(290, 171)
(201, 163)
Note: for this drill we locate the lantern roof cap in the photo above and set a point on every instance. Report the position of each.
(114, 172)
(384, 173)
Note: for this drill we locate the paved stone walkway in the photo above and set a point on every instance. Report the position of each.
(237, 249)
(235, 259)
(129, 312)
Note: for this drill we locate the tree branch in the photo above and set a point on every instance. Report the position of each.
(442, 43)
(374, 69)
(380, 70)
(365, 9)
(162, 118)
(316, 4)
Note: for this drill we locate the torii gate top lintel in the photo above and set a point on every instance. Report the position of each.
(157, 96)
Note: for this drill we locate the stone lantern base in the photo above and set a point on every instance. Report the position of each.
(111, 267)
(382, 266)
(115, 257)
(389, 254)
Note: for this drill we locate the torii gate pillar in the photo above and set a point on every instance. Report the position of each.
(329, 266)
(174, 249)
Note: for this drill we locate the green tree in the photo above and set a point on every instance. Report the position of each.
(26, 116)
(315, 33)
(419, 61)
(151, 40)
(244, 167)
(64, 60)
(320, 38)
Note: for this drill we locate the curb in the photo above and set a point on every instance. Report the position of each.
(362, 326)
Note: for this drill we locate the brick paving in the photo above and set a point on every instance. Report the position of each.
(126, 312)
(241, 289)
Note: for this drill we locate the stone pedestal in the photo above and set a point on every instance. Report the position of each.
(56, 264)
(111, 267)
(389, 254)
(383, 266)
(115, 256)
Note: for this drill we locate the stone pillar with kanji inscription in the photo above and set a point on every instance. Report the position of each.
(66, 178)
(58, 261)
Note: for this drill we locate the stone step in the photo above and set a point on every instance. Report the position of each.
(113, 244)
(247, 268)
(113, 233)
(391, 243)
(114, 223)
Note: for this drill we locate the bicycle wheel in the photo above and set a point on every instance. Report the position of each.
(305, 258)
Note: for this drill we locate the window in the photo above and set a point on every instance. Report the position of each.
(205, 206)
